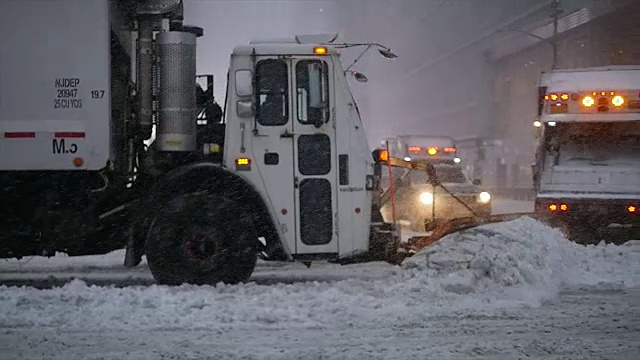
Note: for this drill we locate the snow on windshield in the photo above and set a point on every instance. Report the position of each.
(446, 174)
(597, 144)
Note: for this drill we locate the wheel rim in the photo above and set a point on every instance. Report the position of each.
(202, 248)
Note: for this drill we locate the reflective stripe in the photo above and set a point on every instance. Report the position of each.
(68, 135)
(19, 135)
(32, 134)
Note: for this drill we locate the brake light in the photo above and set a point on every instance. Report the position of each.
(564, 207)
(564, 97)
(632, 209)
(553, 207)
(553, 97)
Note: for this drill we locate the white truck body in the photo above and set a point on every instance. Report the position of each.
(591, 153)
(55, 93)
(326, 166)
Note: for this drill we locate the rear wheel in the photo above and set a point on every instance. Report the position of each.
(201, 239)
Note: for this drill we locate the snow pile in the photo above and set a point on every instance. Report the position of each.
(522, 254)
(480, 270)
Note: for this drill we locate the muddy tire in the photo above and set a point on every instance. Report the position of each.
(203, 240)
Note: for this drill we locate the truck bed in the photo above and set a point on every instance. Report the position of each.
(55, 88)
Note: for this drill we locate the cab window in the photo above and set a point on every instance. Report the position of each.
(272, 92)
(312, 89)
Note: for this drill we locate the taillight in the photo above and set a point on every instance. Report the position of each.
(556, 207)
(632, 209)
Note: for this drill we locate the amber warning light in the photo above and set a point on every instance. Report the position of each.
(243, 164)
(383, 155)
(320, 50)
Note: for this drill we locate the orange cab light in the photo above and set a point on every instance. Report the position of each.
(631, 209)
(320, 50)
(553, 97)
(546, 97)
(414, 149)
(77, 162)
(564, 207)
(603, 93)
(449, 149)
(612, 93)
(588, 101)
(383, 155)
(553, 207)
(564, 97)
(432, 151)
(617, 101)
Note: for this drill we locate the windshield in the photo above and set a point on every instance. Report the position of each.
(446, 174)
(597, 144)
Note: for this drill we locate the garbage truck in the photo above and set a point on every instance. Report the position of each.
(587, 162)
(107, 142)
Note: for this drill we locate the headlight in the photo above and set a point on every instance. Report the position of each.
(426, 198)
(484, 197)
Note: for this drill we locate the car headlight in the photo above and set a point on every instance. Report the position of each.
(426, 198)
(484, 197)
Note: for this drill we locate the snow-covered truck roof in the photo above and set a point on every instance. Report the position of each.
(55, 102)
(593, 94)
(320, 44)
(425, 147)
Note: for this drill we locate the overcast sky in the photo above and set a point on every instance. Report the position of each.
(441, 83)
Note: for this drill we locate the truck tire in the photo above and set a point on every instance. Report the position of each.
(202, 240)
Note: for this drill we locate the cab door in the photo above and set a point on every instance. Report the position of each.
(314, 156)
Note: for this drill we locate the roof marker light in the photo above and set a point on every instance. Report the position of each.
(320, 50)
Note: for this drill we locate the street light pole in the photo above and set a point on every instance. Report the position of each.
(554, 42)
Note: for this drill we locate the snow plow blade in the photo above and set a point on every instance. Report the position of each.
(444, 228)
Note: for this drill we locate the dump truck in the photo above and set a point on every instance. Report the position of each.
(587, 164)
(421, 202)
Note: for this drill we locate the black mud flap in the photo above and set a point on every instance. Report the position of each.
(384, 241)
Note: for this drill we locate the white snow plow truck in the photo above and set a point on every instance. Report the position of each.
(587, 168)
(420, 201)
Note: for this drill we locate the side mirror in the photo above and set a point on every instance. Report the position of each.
(244, 108)
(477, 182)
(315, 86)
(244, 83)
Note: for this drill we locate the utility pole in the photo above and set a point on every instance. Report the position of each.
(557, 11)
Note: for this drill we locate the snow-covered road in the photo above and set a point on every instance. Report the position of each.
(502, 291)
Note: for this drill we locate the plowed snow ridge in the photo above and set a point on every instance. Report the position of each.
(486, 269)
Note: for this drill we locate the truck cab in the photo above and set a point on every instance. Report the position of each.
(418, 200)
(587, 169)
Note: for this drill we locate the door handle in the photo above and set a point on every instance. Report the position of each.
(287, 134)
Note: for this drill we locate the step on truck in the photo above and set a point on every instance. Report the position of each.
(420, 201)
(107, 143)
(587, 163)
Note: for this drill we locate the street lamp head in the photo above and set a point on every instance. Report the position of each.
(387, 53)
